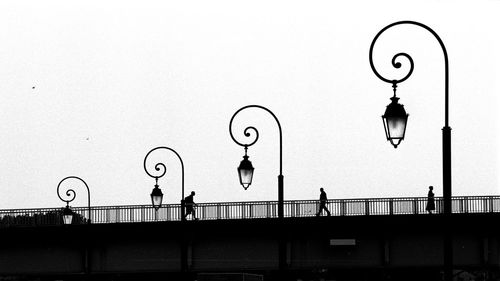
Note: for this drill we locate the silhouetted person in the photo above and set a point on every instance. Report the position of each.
(189, 201)
(430, 201)
(322, 203)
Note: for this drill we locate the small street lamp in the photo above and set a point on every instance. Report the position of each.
(67, 213)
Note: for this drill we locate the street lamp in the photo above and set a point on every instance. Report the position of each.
(245, 172)
(67, 213)
(156, 194)
(157, 197)
(395, 126)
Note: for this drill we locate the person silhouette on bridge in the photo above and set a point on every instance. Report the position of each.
(430, 201)
(189, 201)
(322, 203)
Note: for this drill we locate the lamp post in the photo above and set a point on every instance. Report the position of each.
(246, 169)
(68, 214)
(157, 197)
(71, 194)
(395, 126)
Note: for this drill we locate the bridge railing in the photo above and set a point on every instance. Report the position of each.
(248, 210)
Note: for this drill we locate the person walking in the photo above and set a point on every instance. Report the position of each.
(322, 203)
(431, 206)
(189, 202)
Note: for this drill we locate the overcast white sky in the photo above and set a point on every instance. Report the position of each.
(113, 79)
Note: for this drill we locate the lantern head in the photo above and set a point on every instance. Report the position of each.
(395, 118)
(245, 172)
(156, 197)
(67, 215)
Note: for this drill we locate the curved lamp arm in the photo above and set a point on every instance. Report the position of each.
(249, 129)
(162, 169)
(71, 194)
(397, 64)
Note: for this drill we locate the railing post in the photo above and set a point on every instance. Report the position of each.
(367, 207)
(268, 209)
(275, 210)
(242, 205)
(391, 206)
(342, 207)
(218, 211)
(415, 206)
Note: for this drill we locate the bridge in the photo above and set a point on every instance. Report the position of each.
(364, 239)
(249, 210)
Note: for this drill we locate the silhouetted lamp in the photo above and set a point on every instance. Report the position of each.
(67, 215)
(395, 121)
(70, 195)
(245, 171)
(395, 118)
(156, 197)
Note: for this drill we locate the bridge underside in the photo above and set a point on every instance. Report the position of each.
(405, 247)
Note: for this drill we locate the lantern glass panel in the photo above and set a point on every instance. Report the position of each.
(246, 176)
(67, 219)
(396, 127)
(157, 200)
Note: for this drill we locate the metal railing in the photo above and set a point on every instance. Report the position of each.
(248, 210)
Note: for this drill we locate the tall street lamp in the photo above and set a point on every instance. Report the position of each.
(395, 119)
(246, 169)
(71, 194)
(157, 197)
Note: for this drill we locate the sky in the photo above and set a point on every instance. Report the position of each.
(89, 87)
